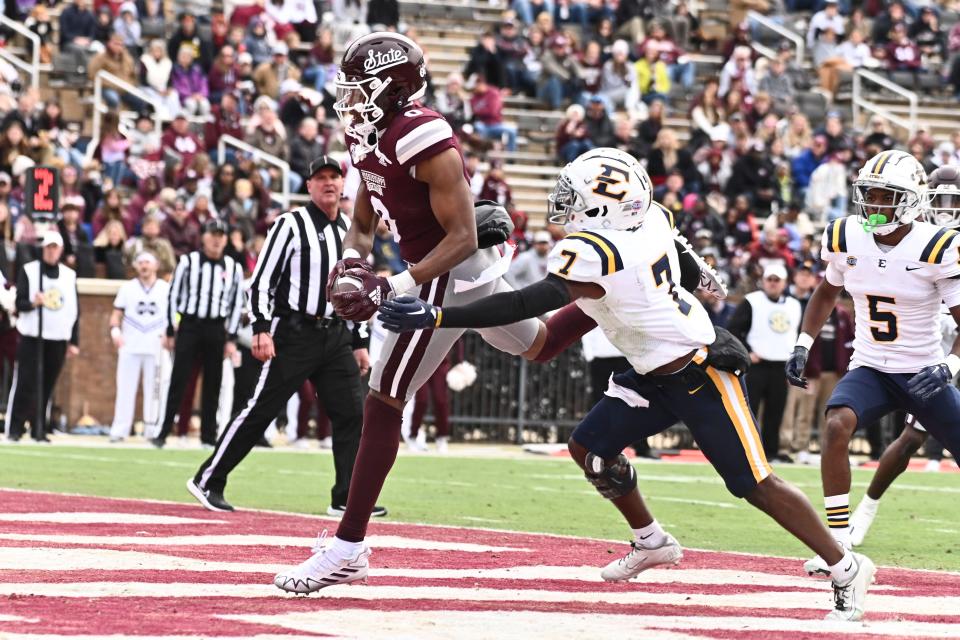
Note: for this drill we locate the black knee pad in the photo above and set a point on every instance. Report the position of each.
(612, 480)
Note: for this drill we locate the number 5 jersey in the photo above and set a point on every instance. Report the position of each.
(645, 313)
(896, 291)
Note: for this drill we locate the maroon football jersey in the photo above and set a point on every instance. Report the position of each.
(400, 200)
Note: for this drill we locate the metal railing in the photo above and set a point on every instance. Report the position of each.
(99, 107)
(33, 67)
(513, 400)
(782, 31)
(862, 103)
(764, 50)
(263, 156)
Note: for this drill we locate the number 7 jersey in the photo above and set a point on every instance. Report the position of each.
(645, 313)
(896, 293)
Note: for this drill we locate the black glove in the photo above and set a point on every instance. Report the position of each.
(929, 382)
(494, 224)
(795, 366)
(408, 313)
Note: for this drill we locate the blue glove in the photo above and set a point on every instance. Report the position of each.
(929, 382)
(795, 366)
(407, 313)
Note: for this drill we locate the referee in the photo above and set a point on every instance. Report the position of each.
(207, 294)
(298, 338)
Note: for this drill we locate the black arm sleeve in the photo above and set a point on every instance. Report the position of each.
(689, 269)
(24, 303)
(740, 321)
(512, 306)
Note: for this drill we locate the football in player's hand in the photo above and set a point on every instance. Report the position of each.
(345, 284)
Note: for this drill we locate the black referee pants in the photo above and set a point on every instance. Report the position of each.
(23, 393)
(325, 357)
(767, 385)
(202, 339)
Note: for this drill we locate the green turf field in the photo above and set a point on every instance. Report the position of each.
(918, 525)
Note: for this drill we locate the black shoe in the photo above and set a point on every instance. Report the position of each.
(14, 438)
(42, 440)
(211, 500)
(782, 459)
(263, 442)
(337, 511)
(158, 442)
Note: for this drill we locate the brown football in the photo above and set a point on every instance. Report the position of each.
(345, 284)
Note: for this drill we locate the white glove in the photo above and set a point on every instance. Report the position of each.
(461, 376)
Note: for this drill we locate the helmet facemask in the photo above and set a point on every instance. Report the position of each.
(942, 206)
(356, 106)
(563, 203)
(883, 208)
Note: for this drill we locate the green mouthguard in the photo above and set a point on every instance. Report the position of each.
(874, 220)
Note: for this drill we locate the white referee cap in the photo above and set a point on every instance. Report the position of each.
(146, 256)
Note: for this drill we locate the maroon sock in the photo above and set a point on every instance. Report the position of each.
(378, 451)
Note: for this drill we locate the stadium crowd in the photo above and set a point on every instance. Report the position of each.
(750, 182)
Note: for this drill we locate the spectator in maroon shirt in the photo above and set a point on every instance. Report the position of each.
(487, 106)
(181, 230)
(223, 74)
(495, 187)
(226, 120)
(902, 53)
(179, 140)
(773, 247)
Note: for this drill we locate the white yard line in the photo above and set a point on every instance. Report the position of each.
(496, 625)
(784, 600)
(385, 541)
(97, 517)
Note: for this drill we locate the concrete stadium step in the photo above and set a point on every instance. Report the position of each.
(525, 157)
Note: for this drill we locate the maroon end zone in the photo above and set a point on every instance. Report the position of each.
(95, 567)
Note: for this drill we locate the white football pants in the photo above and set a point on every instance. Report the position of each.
(131, 369)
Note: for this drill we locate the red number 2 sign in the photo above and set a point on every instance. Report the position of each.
(42, 190)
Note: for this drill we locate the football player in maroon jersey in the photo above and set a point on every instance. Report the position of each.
(412, 177)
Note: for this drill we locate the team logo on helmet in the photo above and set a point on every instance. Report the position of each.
(377, 61)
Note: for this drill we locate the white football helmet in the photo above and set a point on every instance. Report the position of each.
(941, 204)
(889, 191)
(602, 189)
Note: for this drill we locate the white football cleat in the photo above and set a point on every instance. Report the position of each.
(641, 558)
(932, 466)
(817, 567)
(325, 568)
(848, 600)
(443, 444)
(860, 523)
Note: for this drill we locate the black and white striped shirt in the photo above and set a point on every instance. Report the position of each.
(301, 248)
(207, 290)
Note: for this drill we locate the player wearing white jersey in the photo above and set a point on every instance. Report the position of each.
(624, 270)
(942, 208)
(137, 327)
(897, 270)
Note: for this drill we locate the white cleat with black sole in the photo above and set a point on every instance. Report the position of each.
(642, 558)
(817, 567)
(325, 568)
(848, 599)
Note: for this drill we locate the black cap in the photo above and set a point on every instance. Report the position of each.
(325, 162)
(215, 225)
